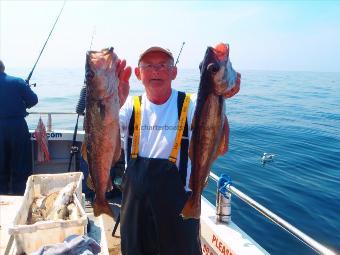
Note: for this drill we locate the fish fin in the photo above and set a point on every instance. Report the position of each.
(192, 209)
(89, 183)
(117, 149)
(116, 157)
(84, 150)
(101, 208)
(224, 142)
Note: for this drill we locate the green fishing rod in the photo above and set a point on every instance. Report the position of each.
(36, 62)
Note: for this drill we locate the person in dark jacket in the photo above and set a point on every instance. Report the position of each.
(15, 146)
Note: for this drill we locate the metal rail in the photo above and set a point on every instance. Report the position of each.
(49, 117)
(66, 113)
(316, 246)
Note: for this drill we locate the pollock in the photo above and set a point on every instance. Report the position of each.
(210, 129)
(102, 134)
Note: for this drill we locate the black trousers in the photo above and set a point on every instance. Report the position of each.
(153, 197)
(15, 156)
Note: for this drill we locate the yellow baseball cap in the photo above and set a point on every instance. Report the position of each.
(155, 49)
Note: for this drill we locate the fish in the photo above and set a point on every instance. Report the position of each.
(41, 207)
(101, 123)
(72, 210)
(63, 199)
(35, 212)
(48, 202)
(210, 129)
(57, 205)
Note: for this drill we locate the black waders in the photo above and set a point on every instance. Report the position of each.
(153, 198)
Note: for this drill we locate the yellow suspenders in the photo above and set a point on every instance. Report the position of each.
(136, 128)
(181, 125)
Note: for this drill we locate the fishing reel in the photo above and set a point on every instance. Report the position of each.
(74, 149)
(28, 82)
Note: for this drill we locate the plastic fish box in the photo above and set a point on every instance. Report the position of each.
(29, 238)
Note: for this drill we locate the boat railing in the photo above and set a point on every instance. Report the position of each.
(49, 117)
(304, 238)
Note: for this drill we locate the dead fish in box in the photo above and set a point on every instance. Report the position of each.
(36, 213)
(72, 211)
(102, 134)
(64, 198)
(210, 126)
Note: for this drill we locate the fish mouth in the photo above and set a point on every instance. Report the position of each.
(221, 51)
(225, 76)
(100, 72)
(100, 53)
(99, 60)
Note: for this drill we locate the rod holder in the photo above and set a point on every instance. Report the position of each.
(223, 200)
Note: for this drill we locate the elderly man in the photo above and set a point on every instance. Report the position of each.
(15, 147)
(154, 188)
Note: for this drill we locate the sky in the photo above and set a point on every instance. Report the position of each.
(263, 35)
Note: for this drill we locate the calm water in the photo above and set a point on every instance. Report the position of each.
(295, 115)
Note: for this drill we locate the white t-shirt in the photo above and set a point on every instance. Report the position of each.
(159, 127)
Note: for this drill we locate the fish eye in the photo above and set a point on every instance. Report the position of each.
(213, 67)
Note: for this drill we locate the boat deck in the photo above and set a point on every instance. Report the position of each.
(107, 224)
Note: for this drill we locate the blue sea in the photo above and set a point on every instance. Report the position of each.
(294, 115)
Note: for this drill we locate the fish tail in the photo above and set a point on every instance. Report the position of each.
(101, 207)
(192, 209)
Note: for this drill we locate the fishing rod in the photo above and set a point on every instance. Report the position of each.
(179, 54)
(36, 62)
(94, 31)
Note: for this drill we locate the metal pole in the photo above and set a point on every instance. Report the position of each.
(49, 122)
(316, 246)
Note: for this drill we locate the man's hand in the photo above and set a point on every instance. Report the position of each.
(235, 89)
(124, 73)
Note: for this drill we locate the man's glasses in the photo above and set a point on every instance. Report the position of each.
(160, 67)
